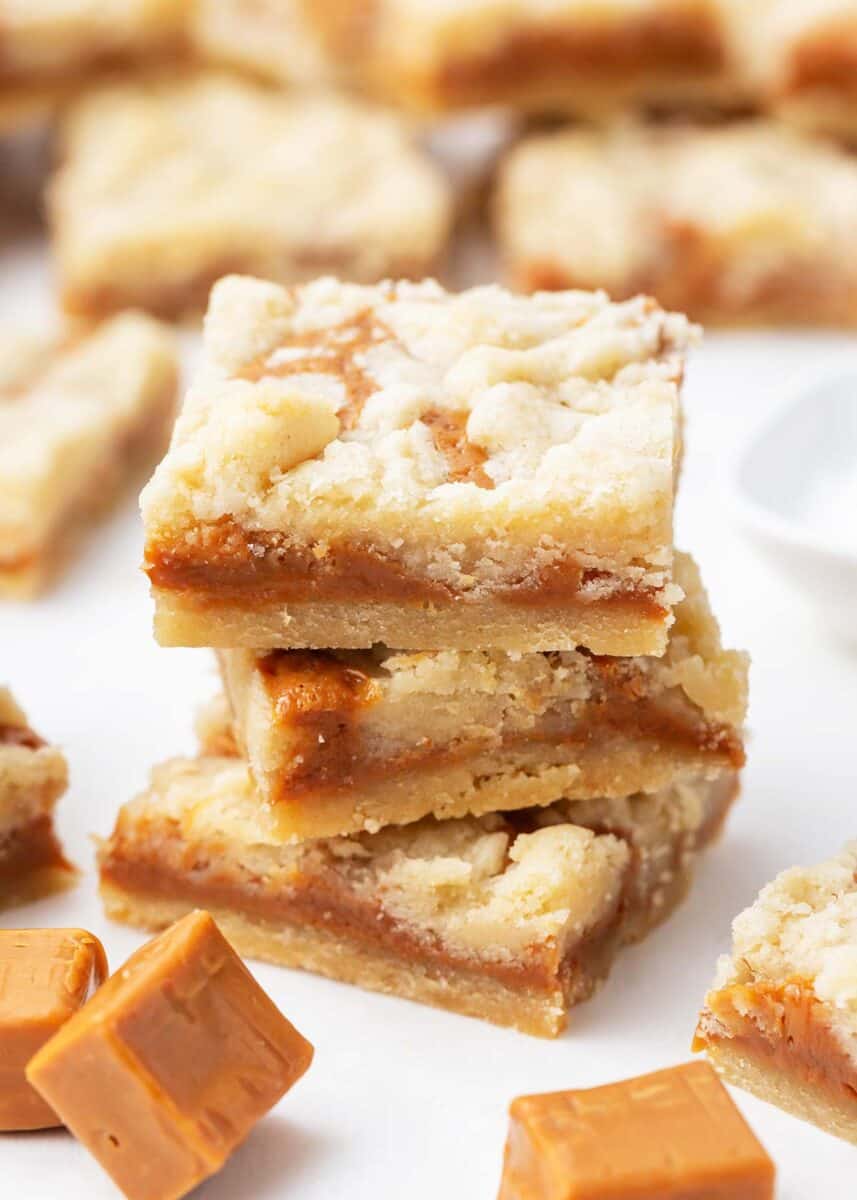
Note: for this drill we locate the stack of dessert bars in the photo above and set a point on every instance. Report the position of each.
(478, 720)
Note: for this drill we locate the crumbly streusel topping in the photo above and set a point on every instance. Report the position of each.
(179, 176)
(490, 885)
(326, 412)
(270, 37)
(803, 926)
(754, 187)
(32, 773)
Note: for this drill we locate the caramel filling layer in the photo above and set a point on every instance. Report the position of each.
(229, 564)
(826, 61)
(30, 848)
(325, 902)
(20, 735)
(317, 700)
(669, 41)
(784, 1026)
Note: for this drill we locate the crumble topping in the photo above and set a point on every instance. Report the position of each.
(565, 403)
(802, 926)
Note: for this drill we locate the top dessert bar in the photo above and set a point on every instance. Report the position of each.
(270, 38)
(399, 464)
(781, 1019)
(581, 54)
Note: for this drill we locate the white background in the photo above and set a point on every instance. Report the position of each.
(403, 1101)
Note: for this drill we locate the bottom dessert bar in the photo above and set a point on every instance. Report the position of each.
(513, 918)
(33, 776)
(781, 1019)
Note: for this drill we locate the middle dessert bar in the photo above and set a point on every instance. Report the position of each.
(513, 918)
(339, 741)
(398, 464)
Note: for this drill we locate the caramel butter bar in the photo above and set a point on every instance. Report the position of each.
(404, 465)
(59, 41)
(512, 918)
(171, 1063)
(46, 975)
(560, 54)
(76, 419)
(33, 776)
(671, 1135)
(169, 183)
(750, 222)
(800, 58)
(781, 1018)
(340, 741)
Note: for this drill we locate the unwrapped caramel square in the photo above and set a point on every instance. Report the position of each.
(169, 1067)
(46, 976)
(673, 1135)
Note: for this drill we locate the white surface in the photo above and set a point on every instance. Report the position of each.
(796, 494)
(402, 1101)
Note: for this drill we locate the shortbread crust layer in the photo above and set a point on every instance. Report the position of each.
(581, 57)
(33, 775)
(77, 420)
(512, 918)
(781, 1019)
(404, 465)
(341, 741)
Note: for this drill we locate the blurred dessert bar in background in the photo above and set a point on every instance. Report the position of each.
(167, 184)
(557, 55)
(66, 40)
(508, 917)
(271, 39)
(743, 222)
(781, 1019)
(402, 465)
(340, 741)
(671, 1134)
(33, 776)
(799, 58)
(77, 416)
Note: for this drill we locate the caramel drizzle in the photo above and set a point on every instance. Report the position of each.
(335, 355)
(465, 461)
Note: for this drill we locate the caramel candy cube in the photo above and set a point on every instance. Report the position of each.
(673, 1135)
(171, 1064)
(46, 975)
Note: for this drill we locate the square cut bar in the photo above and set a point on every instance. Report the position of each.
(77, 418)
(750, 222)
(800, 59)
(781, 1018)
(46, 975)
(340, 741)
(171, 1064)
(559, 54)
(62, 41)
(169, 183)
(33, 776)
(671, 1135)
(404, 465)
(512, 918)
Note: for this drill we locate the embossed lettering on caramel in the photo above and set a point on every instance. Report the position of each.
(46, 975)
(672, 1135)
(172, 1063)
